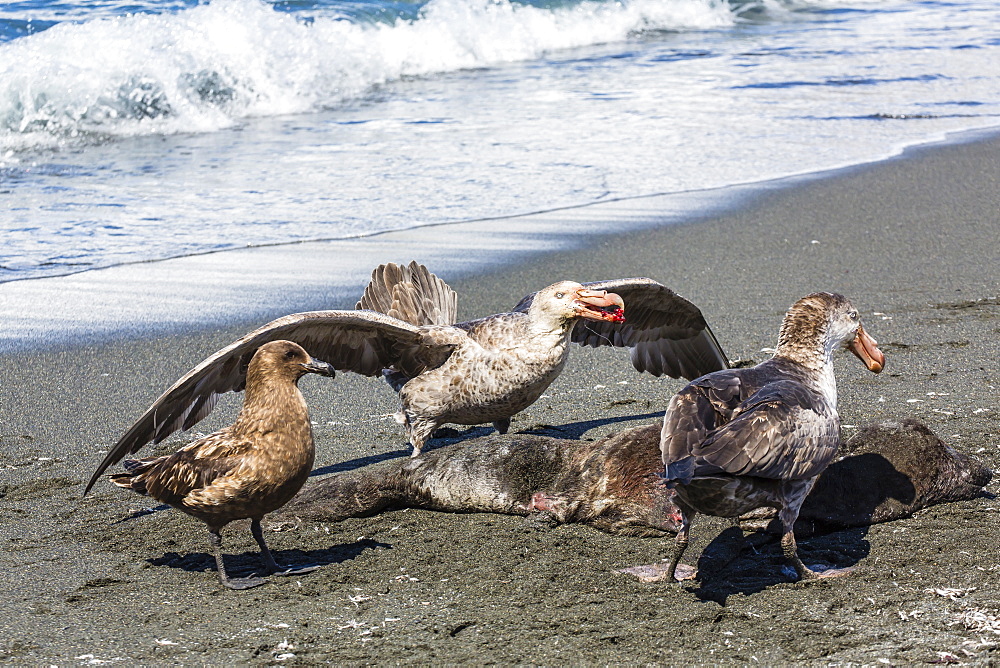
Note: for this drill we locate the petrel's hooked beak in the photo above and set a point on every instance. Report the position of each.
(600, 305)
(866, 349)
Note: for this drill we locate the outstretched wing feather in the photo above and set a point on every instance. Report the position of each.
(410, 293)
(667, 333)
(363, 342)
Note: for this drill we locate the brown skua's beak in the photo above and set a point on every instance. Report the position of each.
(318, 366)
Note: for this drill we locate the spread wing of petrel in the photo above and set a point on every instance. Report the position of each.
(666, 333)
(485, 370)
(364, 342)
(411, 293)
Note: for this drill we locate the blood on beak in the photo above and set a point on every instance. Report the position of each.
(600, 305)
(866, 349)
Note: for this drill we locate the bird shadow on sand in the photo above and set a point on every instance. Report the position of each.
(854, 492)
(736, 564)
(247, 563)
(574, 430)
(447, 436)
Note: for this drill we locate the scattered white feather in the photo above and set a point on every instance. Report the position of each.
(979, 621)
(953, 593)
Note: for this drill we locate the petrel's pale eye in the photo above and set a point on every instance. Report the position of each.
(560, 295)
(854, 315)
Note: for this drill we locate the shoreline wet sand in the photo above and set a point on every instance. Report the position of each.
(912, 241)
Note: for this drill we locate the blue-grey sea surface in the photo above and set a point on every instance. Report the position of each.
(144, 130)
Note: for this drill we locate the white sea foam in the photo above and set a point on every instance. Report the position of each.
(206, 67)
(539, 104)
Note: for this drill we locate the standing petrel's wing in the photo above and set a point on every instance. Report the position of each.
(783, 431)
(696, 411)
(364, 342)
(666, 333)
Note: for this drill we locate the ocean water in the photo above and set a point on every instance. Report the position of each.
(141, 130)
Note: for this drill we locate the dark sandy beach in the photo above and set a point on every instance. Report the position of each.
(914, 242)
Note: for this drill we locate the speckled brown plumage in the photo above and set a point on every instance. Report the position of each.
(501, 364)
(469, 373)
(248, 469)
(741, 439)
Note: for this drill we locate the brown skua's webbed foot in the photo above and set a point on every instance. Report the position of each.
(242, 583)
(232, 583)
(269, 563)
(296, 571)
(660, 572)
(808, 574)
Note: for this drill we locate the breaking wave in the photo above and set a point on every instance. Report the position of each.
(204, 67)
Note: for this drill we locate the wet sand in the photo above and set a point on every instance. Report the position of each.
(912, 241)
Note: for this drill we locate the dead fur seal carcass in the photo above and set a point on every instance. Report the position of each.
(887, 472)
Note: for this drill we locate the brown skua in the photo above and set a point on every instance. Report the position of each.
(246, 470)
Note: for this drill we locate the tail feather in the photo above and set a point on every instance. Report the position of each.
(134, 477)
(681, 471)
(410, 293)
(135, 465)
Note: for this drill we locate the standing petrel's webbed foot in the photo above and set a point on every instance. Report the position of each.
(674, 570)
(810, 574)
(269, 562)
(790, 549)
(680, 545)
(661, 572)
(502, 426)
(233, 583)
